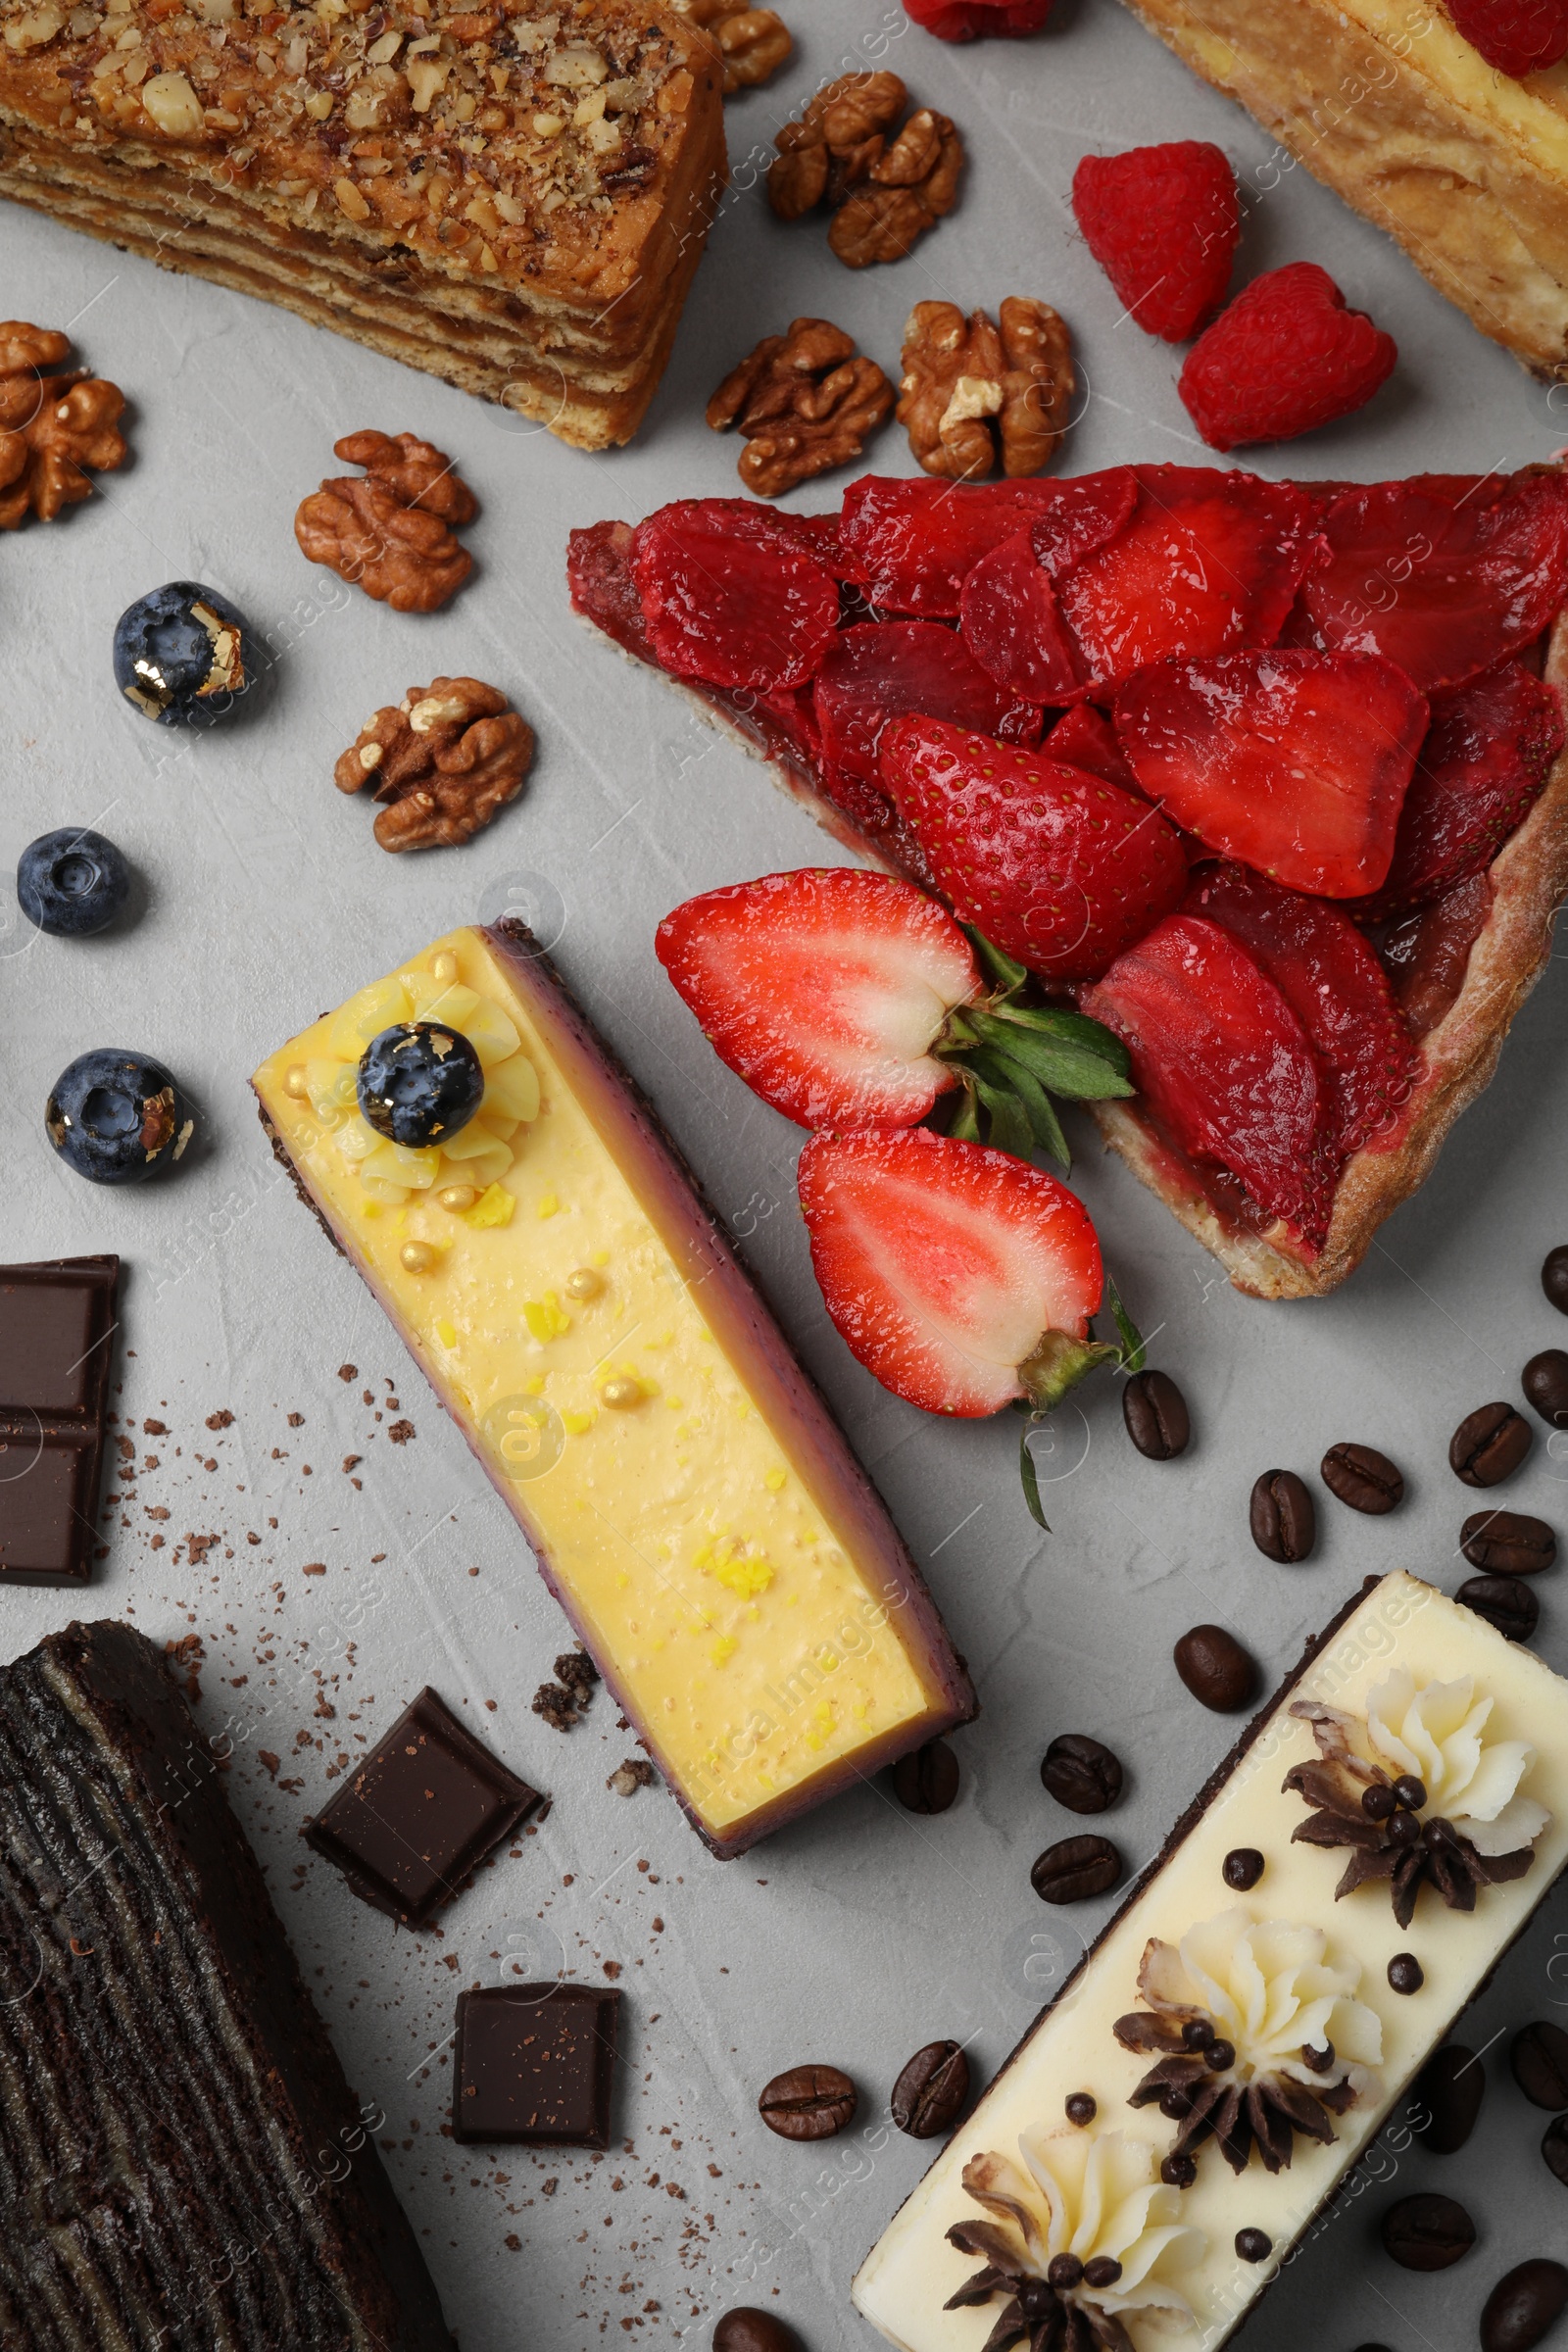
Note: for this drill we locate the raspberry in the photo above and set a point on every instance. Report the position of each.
(1516, 36)
(1162, 223)
(1286, 356)
(973, 20)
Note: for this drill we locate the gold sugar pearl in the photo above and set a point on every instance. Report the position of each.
(458, 1196)
(583, 1282)
(444, 967)
(295, 1082)
(621, 1393)
(418, 1257)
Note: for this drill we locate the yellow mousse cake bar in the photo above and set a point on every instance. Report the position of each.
(1233, 2039)
(688, 1497)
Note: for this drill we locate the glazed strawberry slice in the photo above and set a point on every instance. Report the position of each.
(1446, 586)
(914, 543)
(878, 670)
(1224, 1063)
(1487, 755)
(1333, 982)
(731, 594)
(1085, 738)
(1009, 612)
(1206, 562)
(959, 1277)
(1293, 762)
(1057, 867)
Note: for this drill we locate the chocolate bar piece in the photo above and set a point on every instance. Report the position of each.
(555, 1273)
(535, 2063)
(1232, 2054)
(420, 1813)
(56, 1325)
(183, 2164)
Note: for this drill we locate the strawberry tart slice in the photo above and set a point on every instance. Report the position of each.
(1264, 777)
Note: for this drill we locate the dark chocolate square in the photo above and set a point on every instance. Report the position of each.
(55, 1323)
(56, 1326)
(535, 2063)
(420, 1813)
(45, 1506)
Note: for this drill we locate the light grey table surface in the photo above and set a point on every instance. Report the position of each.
(862, 1932)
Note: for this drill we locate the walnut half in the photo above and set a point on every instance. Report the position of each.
(52, 427)
(443, 761)
(389, 530)
(974, 392)
(804, 402)
(883, 196)
(754, 43)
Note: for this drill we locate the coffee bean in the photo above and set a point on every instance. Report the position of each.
(1081, 1774)
(1426, 2232)
(1554, 1277)
(1405, 1973)
(1082, 2107)
(1450, 2086)
(1507, 1542)
(1538, 2058)
(748, 2329)
(1554, 2147)
(1242, 1867)
(1523, 2306)
(1215, 1668)
(1503, 1602)
(1544, 1382)
(1253, 2245)
(931, 2090)
(1283, 1521)
(1490, 1444)
(1156, 1413)
(1074, 1869)
(927, 1782)
(808, 2102)
(1363, 1478)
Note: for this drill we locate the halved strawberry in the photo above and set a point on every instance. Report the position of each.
(1333, 982)
(1224, 1063)
(1293, 762)
(731, 595)
(1444, 585)
(1085, 738)
(962, 1279)
(1206, 562)
(1009, 611)
(914, 543)
(1058, 867)
(878, 670)
(1480, 771)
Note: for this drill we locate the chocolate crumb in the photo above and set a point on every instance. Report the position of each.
(401, 1432)
(221, 1420)
(348, 1371)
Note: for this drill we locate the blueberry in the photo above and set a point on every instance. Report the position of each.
(115, 1116)
(73, 882)
(179, 655)
(420, 1081)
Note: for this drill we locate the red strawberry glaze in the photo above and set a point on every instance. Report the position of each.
(730, 597)
(1084, 737)
(877, 671)
(914, 543)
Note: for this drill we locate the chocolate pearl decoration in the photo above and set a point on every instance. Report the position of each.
(1242, 1867)
(1253, 2245)
(1082, 2108)
(1215, 1668)
(1490, 1444)
(1544, 1380)
(1379, 1801)
(1409, 1792)
(1554, 1277)
(927, 1780)
(1157, 1417)
(1064, 2271)
(1361, 1477)
(1523, 2306)
(1405, 1973)
(1282, 1517)
(1103, 2270)
(1179, 2172)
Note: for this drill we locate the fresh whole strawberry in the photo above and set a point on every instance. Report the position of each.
(731, 594)
(1481, 769)
(1224, 1063)
(978, 20)
(962, 1279)
(1163, 223)
(1286, 356)
(1292, 762)
(1333, 982)
(1055, 866)
(1516, 36)
(878, 670)
(1445, 576)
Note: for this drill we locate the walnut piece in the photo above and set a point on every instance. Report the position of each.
(754, 43)
(907, 191)
(804, 402)
(443, 760)
(973, 391)
(883, 197)
(389, 528)
(51, 426)
(834, 145)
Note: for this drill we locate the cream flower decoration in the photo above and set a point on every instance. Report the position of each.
(1260, 2038)
(1417, 1791)
(1085, 2234)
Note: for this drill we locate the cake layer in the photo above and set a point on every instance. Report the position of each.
(1394, 109)
(683, 1487)
(1286, 1941)
(182, 2164)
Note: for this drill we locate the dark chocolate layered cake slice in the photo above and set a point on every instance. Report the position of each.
(182, 2164)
